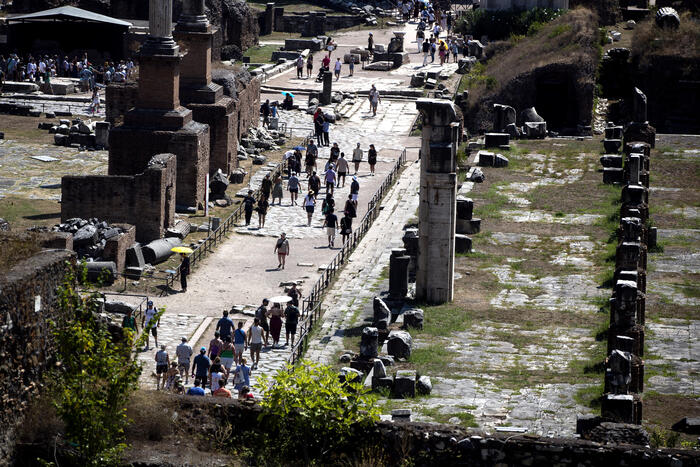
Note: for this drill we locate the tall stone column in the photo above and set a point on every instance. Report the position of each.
(160, 29)
(195, 32)
(437, 209)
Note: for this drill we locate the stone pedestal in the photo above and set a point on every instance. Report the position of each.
(398, 273)
(437, 209)
(204, 98)
(159, 124)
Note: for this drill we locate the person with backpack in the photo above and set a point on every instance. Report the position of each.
(282, 249)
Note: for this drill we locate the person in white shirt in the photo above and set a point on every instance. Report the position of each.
(150, 321)
(309, 204)
(357, 157)
(337, 68)
(255, 342)
(184, 354)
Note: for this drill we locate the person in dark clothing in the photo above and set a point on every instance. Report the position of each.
(265, 111)
(184, 271)
(291, 315)
(331, 225)
(314, 183)
(370, 43)
(346, 227)
(350, 209)
(266, 187)
(248, 205)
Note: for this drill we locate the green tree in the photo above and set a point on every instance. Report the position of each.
(95, 378)
(312, 413)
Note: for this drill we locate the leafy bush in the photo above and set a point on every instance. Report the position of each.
(505, 23)
(312, 415)
(94, 380)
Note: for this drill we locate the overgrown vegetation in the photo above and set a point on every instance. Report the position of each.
(683, 42)
(14, 249)
(311, 413)
(505, 23)
(94, 380)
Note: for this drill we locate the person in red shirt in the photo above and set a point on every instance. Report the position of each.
(222, 391)
(326, 62)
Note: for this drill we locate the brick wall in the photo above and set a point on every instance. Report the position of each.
(145, 200)
(115, 249)
(27, 302)
(120, 97)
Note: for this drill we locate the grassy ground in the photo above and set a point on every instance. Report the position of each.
(260, 53)
(291, 6)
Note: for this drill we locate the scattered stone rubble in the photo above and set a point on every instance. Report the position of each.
(77, 132)
(89, 236)
(257, 140)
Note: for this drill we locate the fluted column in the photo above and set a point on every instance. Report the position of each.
(160, 29)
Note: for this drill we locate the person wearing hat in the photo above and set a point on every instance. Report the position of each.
(184, 352)
(354, 190)
(200, 368)
(282, 250)
(162, 364)
(149, 322)
(309, 204)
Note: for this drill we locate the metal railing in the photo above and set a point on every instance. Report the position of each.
(311, 309)
(216, 236)
(80, 108)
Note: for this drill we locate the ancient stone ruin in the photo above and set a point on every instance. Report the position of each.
(437, 211)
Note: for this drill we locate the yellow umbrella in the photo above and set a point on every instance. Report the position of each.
(182, 249)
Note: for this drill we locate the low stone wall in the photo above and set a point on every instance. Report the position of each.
(145, 200)
(27, 303)
(432, 444)
(312, 24)
(115, 249)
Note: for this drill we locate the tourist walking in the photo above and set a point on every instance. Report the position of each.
(261, 316)
(215, 346)
(354, 190)
(300, 67)
(342, 167)
(311, 155)
(346, 227)
(225, 325)
(262, 211)
(266, 186)
(309, 204)
(200, 368)
(370, 43)
(374, 99)
(216, 374)
(309, 65)
(277, 190)
(195, 390)
(239, 345)
(227, 354)
(265, 111)
(357, 157)
(184, 271)
(314, 183)
(327, 205)
(150, 322)
(255, 342)
(433, 49)
(350, 208)
(162, 363)
(337, 67)
(282, 250)
(241, 377)
(318, 125)
(276, 314)
(222, 391)
(293, 187)
(184, 352)
(295, 294)
(291, 319)
(351, 66)
(331, 225)
(330, 176)
(334, 154)
(426, 51)
(248, 205)
(372, 158)
(420, 37)
(326, 128)
(455, 51)
(129, 322)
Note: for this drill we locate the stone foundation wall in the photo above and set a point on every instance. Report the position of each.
(115, 249)
(248, 114)
(145, 200)
(27, 303)
(311, 25)
(119, 99)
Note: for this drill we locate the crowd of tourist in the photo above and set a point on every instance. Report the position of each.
(41, 68)
(223, 366)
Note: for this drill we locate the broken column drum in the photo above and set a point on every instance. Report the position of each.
(437, 209)
(398, 273)
(325, 97)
